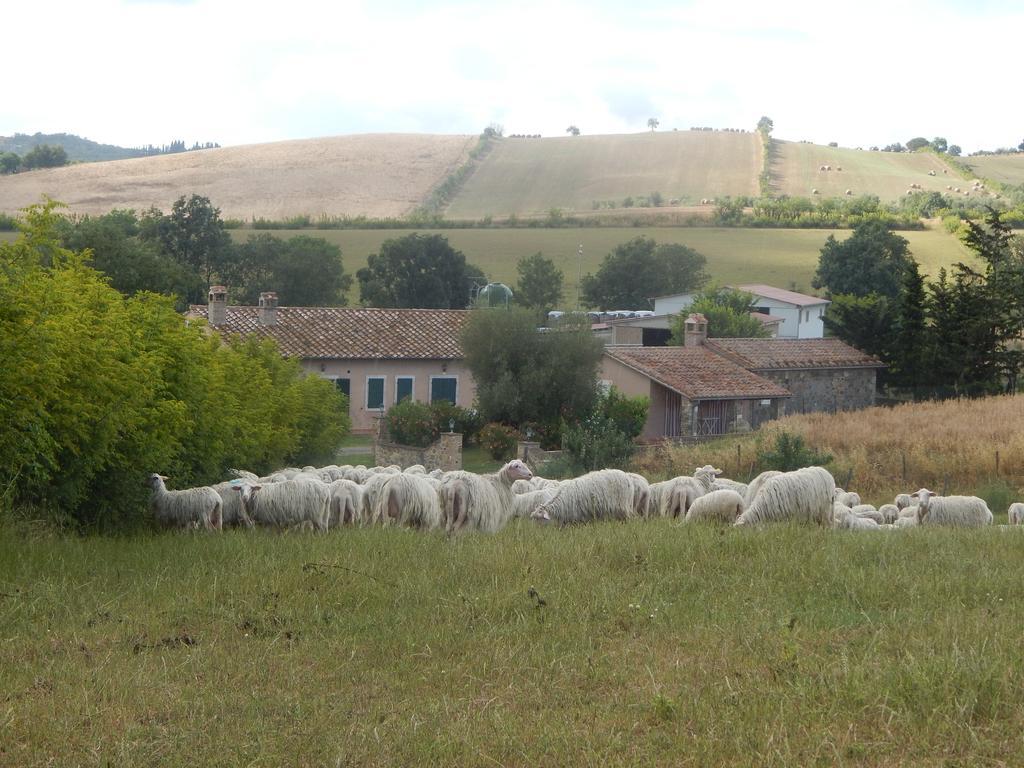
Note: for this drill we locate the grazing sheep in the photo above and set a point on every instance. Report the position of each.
(480, 502)
(355, 474)
(672, 498)
(849, 498)
(754, 487)
(725, 484)
(243, 473)
(844, 518)
(232, 511)
(346, 504)
(803, 496)
(903, 501)
(189, 508)
(641, 493)
(288, 503)
(889, 512)
(723, 506)
(959, 511)
(1015, 514)
(415, 469)
(606, 494)
(706, 476)
(408, 500)
(906, 522)
(525, 504)
(371, 489)
(869, 512)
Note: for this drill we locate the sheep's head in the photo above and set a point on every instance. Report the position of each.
(154, 481)
(248, 490)
(708, 469)
(923, 496)
(540, 514)
(516, 470)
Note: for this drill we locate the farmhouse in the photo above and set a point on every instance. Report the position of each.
(718, 386)
(801, 315)
(375, 356)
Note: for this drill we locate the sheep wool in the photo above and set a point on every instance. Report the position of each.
(805, 496)
(606, 494)
(480, 502)
(408, 500)
(957, 511)
(722, 506)
(673, 498)
(725, 484)
(371, 489)
(845, 518)
(346, 504)
(754, 486)
(889, 513)
(903, 501)
(288, 503)
(641, 493)
(1015, 514)
(232, 509)
(187, 508)
(525, 504)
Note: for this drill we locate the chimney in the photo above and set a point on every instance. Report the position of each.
(217, 306)
(695, 330)
(268, 308)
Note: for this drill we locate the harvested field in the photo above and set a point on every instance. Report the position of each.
(527, 176)
(1006, 169)
(376, 175)
(796, 171)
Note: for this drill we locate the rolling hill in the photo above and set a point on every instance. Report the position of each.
(530, 176)
(1006, 169)
(378, 175)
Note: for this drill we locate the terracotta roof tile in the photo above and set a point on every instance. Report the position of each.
(352, 333)
(768, 354)
(696, 373)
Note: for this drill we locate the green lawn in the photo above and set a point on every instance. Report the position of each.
(611, 644)
(783, 257)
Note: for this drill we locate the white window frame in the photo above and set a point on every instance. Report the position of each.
(412, 393)
(430, 392)
(384, 394)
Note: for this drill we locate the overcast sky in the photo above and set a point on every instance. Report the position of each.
(134, 72)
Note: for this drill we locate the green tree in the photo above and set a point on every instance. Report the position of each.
(939, 144)
(912, 349)
(871, 260)
(916, 143)
(45, 156)
(638, 270)
(765, 125)
(309, 273)
(954, 150)
(9, 162)
(421, 271)
(193, 234)
(865, 322)
(652, 123)
(540, 283)
(728, 313)
(525, 377)
(572, 130)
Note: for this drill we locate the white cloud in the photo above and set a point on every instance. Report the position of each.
(210, 70)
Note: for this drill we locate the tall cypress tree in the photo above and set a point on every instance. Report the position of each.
(912, 346)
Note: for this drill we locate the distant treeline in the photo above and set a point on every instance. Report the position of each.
(78, 149)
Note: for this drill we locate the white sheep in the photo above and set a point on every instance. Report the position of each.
(641, 493)
(288, 503)
(725, 484)
(903, 500)
(346, 504)
(1015, 514)
(844, 518)
(869, 512)
(849, 498)
(243, 474)
(754, 486)
(409, 500)
(525, 504)
(188, 508)
(960, 511)
(415, 469)
(606, 494)
(722, 506)
(480, 502)
(371, 489)
(802, 496)
(889, 512)
(673, 498)
(232, 511)
(906, 521)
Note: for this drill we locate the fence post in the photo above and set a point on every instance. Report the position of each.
(945, 485)
(997, 462)
(903, 456)
(849, 477)
(739, 465)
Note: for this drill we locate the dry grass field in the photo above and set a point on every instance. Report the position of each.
(796, 171)
(376, 175)
(525, 176)
(1006, 169)
(783, 257)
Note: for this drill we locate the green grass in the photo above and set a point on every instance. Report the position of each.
(795, 171)
(613, 644)
(476, 459)
(782, 257)
(1006, 169)
(525, 176)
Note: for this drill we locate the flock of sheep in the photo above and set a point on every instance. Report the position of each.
(324, 498)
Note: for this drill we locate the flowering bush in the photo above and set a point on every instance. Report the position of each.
(499, 441)
(411, 423)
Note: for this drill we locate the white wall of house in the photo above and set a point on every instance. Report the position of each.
(797, 322)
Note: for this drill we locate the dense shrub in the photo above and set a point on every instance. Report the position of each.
(412, 423)
(499, 441)
(97, 390)
(789, 452)
(466, 420)
(629, 414)
(596, 443)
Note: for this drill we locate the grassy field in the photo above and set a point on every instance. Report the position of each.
(1007, 169)
(795, 171)
(611, 644)
(525, 176)
(783, 257)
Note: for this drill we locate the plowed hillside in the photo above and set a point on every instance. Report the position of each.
(796, 171)
(371, 175)
(528, 176)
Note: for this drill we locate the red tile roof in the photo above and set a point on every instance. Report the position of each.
(350, 333)
(696, 373)
(767, 354)
(781, 294)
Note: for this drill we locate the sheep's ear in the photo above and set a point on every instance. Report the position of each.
(163, 477)
(238, 488)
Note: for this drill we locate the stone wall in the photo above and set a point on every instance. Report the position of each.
(829, 389)
(534, 456)
(445, 453)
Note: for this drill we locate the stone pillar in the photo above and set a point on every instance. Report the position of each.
(449, 451)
